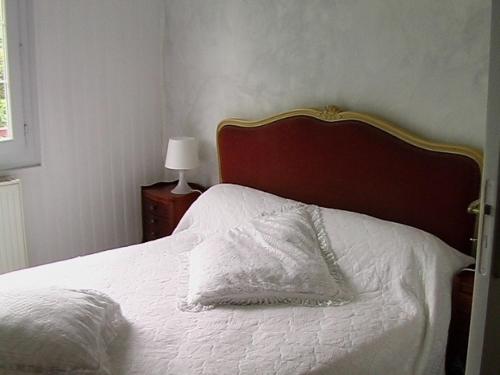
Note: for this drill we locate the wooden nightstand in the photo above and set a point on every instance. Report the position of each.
(463, 286)
(162, 210)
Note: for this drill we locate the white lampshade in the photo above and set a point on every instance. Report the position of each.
(182, 153)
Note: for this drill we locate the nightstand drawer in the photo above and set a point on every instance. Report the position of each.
(162, 210)
(152, 207)
(154, 227)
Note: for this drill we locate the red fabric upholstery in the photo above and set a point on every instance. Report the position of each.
(354, 166)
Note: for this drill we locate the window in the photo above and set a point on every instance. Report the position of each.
(19, 146)
(5, 121)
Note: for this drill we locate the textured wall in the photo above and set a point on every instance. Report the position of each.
(422, 64)
(99, 65)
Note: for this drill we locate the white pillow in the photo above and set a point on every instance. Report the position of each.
(284, 257)
(53, 330)
(225, 206)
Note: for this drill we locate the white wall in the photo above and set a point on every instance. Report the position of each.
(100, 66)
(100, 63)
(422, 64)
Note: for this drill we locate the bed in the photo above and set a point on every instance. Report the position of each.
(378, 186)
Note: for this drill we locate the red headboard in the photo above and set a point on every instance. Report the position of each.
(356, 162)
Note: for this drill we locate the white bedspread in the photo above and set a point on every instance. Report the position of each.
(397, 323)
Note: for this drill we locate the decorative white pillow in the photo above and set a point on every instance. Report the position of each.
(225, 206)
(284, 257)
(52, 331)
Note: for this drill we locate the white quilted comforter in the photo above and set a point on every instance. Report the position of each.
(397, 323)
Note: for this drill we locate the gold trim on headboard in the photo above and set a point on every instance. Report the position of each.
(334, 114)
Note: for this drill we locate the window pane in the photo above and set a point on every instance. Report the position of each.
(5, 123)
(2, 42)
(4, 118)
(2, 59)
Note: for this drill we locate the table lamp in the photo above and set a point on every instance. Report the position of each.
(182, 155)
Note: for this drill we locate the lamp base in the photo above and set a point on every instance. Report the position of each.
(182, 186)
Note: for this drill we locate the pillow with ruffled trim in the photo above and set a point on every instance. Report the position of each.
(283, 257)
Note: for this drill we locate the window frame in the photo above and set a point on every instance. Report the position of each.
(24, 149)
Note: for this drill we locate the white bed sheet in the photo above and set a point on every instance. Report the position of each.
(397, 323)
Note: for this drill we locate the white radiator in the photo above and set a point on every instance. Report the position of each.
(13, 254)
